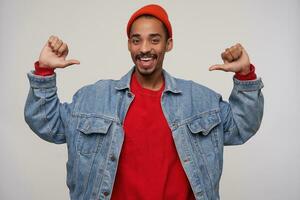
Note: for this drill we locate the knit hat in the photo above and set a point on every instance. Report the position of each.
(154, 10)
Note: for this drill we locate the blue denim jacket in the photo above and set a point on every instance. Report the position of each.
(92, 126)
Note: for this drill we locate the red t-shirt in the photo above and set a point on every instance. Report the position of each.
(149, 167)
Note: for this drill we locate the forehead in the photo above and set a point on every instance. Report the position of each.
(146, 25)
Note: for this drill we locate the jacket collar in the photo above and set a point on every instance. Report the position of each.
(170, 82)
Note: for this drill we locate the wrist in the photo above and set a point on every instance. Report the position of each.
(251, 75)
(42, 65)
(245, 71)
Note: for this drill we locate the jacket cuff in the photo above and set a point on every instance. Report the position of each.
(37, 81)
(248, 85)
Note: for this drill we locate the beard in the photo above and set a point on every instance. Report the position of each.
(147, 63)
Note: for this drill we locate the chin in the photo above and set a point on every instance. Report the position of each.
(144, 71)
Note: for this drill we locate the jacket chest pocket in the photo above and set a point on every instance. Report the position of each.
(92, 132)
(205, 132)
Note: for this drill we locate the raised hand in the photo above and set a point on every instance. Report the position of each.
(235, 59)
(54, 54)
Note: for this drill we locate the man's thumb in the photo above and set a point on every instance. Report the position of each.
(216, 67)
(71, 62)
(224, 67)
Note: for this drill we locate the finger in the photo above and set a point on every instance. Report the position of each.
(51, 39)
(239, 46)
(57, 45)
(235, 52)
(70, 62)
(62, 49)
(226, 56)
(225, 67)
(223, 56)
(53, 42)
(229, 55)
(217, 67)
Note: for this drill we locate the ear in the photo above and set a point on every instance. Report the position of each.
(128, 44)
(169, 45)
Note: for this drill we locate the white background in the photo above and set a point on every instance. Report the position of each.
(265, 168)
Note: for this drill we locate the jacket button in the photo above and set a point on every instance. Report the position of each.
(106, 193)
(112, 158)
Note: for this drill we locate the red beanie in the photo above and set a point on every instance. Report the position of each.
(154, 10)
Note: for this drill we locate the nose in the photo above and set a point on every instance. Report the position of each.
(145, 47)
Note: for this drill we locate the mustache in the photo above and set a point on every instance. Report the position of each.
(145, 55)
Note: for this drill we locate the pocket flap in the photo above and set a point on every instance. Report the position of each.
(204, 123)
(89, 125)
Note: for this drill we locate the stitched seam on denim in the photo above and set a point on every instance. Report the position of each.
(190, 119)
(89, 176)
(204, 160)
(102, 176)
(96, 115)
(43, 109)
(106, 162)
(192, 140)
(115, 171)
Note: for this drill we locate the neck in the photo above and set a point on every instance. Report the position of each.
(151, 82)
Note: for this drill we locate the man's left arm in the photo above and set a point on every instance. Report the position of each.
(242, 116)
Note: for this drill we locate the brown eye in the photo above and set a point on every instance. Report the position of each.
(135, 40)
(155, 40)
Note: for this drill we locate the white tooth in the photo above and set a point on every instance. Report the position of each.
(145, 59)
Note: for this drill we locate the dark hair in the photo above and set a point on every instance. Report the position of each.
(164, 26)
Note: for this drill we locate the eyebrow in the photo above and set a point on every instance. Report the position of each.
(135, 35)
(155, 35)
(151, 35)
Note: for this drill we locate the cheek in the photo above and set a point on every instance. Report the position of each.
(160, 49)
(160, 52)
(132, 57)
(131, 47)
(133, 51)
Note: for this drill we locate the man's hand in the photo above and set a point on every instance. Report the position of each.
(235, 59)
(54, 54)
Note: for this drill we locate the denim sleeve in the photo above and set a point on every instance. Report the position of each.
(243, 114)
(43, 112)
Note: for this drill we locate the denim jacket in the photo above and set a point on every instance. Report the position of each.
(92, 126)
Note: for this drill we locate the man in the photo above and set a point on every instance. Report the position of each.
(148, 135)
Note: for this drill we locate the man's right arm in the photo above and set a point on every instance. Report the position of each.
(44, 113)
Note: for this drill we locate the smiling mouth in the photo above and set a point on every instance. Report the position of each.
(145, 57)
(146, 61)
